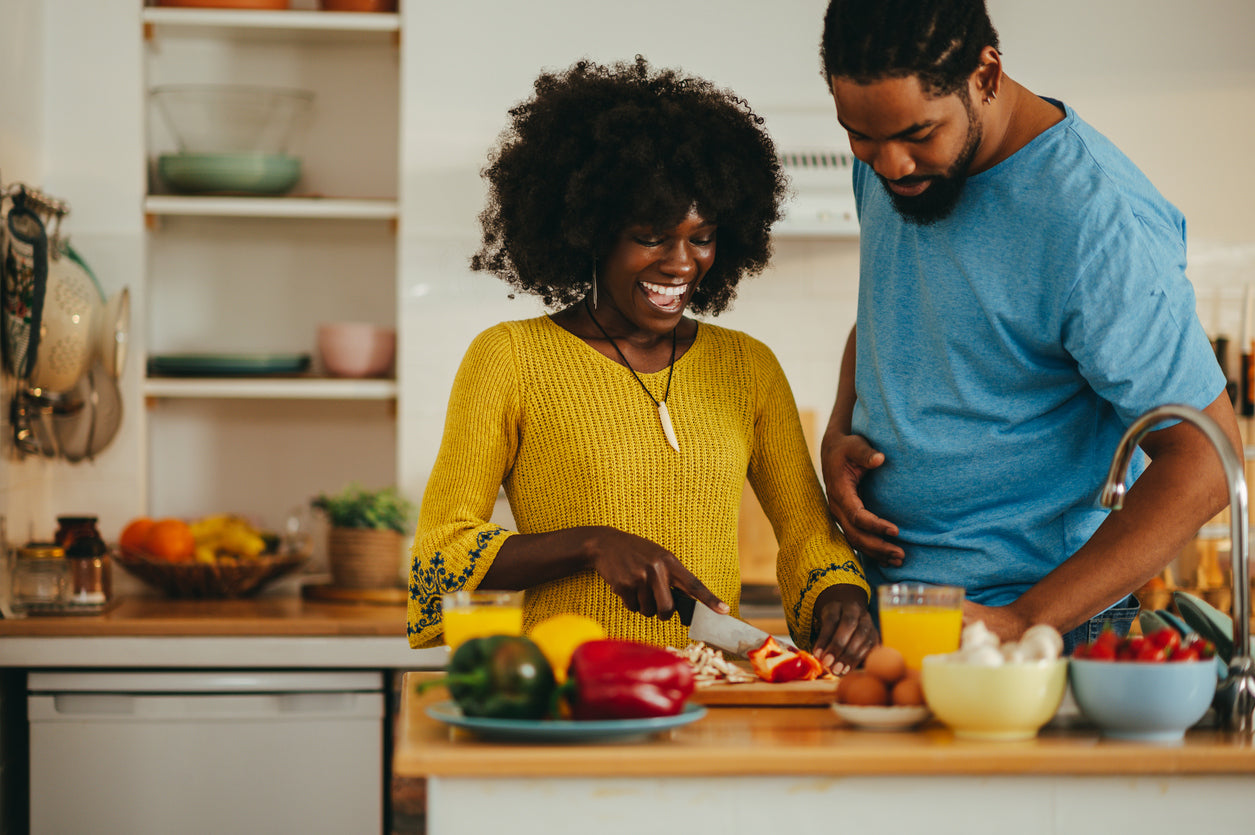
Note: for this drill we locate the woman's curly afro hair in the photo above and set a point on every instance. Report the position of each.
(600, 148)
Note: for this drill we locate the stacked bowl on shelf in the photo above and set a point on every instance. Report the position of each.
(231, 139)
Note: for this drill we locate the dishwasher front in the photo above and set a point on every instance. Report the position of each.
(206, 752)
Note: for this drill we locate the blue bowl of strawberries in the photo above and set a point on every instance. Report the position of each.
(1145, 687)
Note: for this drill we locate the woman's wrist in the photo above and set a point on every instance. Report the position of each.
(589, 545)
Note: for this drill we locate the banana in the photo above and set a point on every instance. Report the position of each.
(224, 535)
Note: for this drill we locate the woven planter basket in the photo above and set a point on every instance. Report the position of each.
(361, 558)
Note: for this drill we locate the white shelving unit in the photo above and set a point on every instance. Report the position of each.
(267, 389)
(252, 20)
(327, 208)
(256, 275)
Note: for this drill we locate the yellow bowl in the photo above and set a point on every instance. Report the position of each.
(1007, 702)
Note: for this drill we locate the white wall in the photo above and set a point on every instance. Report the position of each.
(74, 115)
(69, 125)
(1172, 83)
(21, 140)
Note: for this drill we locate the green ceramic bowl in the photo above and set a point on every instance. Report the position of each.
(243, 172)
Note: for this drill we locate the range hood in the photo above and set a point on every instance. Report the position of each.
(823, 201)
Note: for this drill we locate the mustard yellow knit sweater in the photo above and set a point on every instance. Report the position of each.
(575, 441)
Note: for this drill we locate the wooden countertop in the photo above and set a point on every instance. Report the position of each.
(759, 741)
(253, 616)
(272, 632)
(257, 616)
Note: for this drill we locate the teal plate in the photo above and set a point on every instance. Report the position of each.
(229, 173)
(560, 730)
(226, 365)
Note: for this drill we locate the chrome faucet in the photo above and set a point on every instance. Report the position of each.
(1235, 696)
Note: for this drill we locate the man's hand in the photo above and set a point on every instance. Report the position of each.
(842, 627)
(845, 459)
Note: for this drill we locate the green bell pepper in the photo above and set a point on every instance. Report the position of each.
(499, 677)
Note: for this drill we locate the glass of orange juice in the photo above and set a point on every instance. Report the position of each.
(919, 619)
(477, 614)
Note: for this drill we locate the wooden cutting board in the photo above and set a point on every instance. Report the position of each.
(766, 694)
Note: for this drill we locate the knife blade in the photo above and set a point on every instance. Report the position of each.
(723, 632)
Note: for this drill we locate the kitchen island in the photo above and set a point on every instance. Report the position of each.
(800, 769)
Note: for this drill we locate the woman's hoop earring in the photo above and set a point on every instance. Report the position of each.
(594, 293)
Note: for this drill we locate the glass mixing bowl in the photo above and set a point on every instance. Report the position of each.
(218, 118)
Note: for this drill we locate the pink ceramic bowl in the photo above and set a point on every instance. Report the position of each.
(356, 349)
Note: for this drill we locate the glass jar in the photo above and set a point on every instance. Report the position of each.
(88, 558)
(78, 535)
(41, 577)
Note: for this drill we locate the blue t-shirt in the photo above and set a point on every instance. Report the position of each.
(1003, 351)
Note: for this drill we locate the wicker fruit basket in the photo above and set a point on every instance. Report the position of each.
(225, 577)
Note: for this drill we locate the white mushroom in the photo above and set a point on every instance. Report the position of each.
(978, 635)
(1042, 642)
(1014, 653)
(983, 656)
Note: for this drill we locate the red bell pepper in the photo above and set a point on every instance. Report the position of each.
(611, 679)
(775, 663)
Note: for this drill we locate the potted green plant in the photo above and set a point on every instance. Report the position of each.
(366, 539)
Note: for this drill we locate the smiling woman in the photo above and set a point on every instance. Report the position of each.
(600, 149)
(621, 429)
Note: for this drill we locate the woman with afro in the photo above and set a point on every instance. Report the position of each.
(621, 429)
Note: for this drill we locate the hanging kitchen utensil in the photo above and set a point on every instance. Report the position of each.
(72, 415)
(106, 401)
(86, 418)
(64, 341)
(25, 279)
(114, 332)
(111, 323)
(68, 329)
(32, 425)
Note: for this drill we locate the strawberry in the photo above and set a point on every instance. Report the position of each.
(1166, 638)
(1148, 651)
(1185, 653)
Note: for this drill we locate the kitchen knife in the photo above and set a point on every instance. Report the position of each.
(719, 631)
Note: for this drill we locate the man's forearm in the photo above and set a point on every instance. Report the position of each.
(1182, 488)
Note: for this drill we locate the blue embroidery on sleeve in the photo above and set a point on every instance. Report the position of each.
(428, 583)
(815, 575)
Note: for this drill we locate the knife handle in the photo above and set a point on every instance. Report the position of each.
(684, 604)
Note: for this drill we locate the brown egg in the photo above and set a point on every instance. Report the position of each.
(908, 691)
(862, 688)
(885, 663)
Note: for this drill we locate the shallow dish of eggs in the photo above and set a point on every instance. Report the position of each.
(883, 695)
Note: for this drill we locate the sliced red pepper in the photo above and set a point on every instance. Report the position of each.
(775, 663)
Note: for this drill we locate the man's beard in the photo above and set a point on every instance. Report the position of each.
(939, 199)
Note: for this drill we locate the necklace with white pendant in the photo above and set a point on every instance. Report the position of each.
(663, 415)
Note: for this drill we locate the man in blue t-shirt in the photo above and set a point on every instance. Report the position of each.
(1022, 300)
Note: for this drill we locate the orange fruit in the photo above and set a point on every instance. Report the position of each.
(132, 537)
(170, 539)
